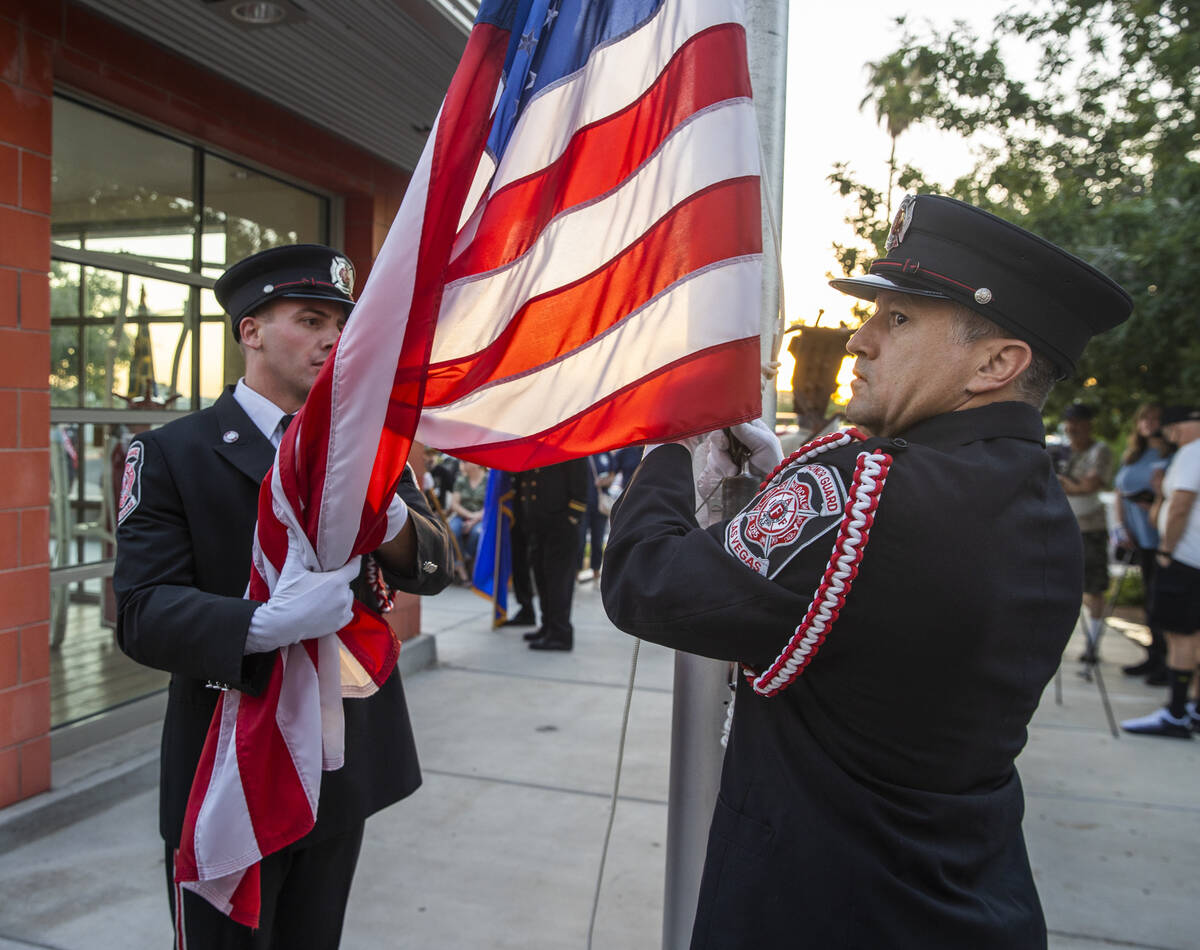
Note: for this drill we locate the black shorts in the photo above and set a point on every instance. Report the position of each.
(1095, 562)
(1175, 598)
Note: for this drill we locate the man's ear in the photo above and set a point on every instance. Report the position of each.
(1001, 362)
(250, 330)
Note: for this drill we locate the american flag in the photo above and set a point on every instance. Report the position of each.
(575, 266)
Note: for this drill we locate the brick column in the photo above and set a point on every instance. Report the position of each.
(25, 142)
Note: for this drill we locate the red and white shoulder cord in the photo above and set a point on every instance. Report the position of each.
(870, 473)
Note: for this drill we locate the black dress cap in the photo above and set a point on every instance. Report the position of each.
(311, 271)
(941, 247)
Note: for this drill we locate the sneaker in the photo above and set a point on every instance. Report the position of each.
(587, 574)
(1194, 714)
(1149, 665)
(1160, 723)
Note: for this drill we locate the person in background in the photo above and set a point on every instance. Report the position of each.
(1084, 473)
(1141, 467)
(465, 508)
(1175, 598)
(595, 520)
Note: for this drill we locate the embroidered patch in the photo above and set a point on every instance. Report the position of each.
(799, 506)
(131, 482)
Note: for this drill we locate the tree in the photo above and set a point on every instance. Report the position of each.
(1098, 151)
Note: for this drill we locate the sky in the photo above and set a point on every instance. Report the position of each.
(827, 53)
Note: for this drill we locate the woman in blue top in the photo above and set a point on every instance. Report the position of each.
(1136, 483)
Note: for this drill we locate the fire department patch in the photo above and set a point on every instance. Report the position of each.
(799, 506)
(131, 482)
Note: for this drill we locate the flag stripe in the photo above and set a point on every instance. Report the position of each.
(549, 327)
(693, 157)
(614, 76)
(602, 155)
(525, 405)
(678, 391)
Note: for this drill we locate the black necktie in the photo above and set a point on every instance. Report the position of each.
(286, 421)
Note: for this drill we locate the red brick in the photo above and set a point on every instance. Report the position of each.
(25, 118)
(35, 182)
(10, 418)
(10, 776)
(25, 475)
(35, 536)
(10, 658)
(44, 16)
(24, 240)
(35, 652)
(10, 173)
(24, 597)
(35, 302)
(10, 540)
(9, 297)
(24, 712)
(37, 63)
(10, 51)
(35, 766)
(35, 419)
(24, 358)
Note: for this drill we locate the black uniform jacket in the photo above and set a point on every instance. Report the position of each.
(553, 490)
(874, 802)
(183, 563)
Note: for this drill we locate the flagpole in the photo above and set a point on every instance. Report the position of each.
(701, 685)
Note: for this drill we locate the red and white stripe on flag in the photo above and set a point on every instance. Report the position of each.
(575, 266)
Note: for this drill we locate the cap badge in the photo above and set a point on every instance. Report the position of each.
(983, 295)
(267, 288)
(230, 436)
(900, 225)
(341, 272)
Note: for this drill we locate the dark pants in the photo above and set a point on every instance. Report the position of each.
(553, 540)
(1158, 642)
(521, 581)
(594, 524)
(304, 894)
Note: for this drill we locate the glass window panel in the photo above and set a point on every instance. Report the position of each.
(64, 366)
(64, 289)
(246, 212)
(214, 361)
(88, 673)
(120, 188)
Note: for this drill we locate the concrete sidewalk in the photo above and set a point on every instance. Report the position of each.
(500, 847)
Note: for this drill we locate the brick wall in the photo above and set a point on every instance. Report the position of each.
(49, 44)
(25, 85)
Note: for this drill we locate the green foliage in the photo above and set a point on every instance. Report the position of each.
(1099, 152)
(102, 296)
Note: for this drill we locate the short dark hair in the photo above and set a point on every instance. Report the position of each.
(1038, 378)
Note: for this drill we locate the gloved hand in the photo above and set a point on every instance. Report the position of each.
(760, 439)
(305, 604)
(397, 517)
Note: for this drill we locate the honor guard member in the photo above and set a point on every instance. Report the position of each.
(550, 503)
(186, 522)
(897, 597)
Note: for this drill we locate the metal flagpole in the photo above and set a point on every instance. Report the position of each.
(701, 685)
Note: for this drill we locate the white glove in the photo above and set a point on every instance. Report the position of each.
(305, 604)
(758, 437)
(397, 517)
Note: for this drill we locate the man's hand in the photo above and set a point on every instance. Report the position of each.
(758, 437)
(305, 604)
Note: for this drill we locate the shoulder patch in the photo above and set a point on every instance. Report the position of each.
(799, 506)
(131, 483)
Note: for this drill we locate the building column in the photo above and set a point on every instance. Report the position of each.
(25, 142)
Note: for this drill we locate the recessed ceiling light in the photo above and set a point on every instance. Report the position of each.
(258, 14)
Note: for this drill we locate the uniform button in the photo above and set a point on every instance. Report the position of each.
(900, 443)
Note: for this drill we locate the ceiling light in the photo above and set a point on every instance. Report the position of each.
(257, 14)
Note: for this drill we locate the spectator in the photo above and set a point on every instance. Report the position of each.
(1175, 599)
(595, 519)
(1134, 482)
(465, 508)
(1087, 470)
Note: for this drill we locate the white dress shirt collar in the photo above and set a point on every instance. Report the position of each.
(265, 415)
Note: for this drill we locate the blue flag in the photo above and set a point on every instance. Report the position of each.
(493, 560)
